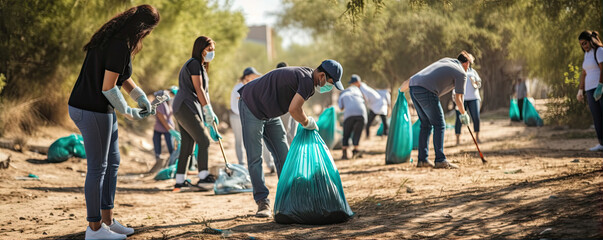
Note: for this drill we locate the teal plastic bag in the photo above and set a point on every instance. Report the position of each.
(66, 147)
(380, 130)
(399, 139)
(514, 110)
(416, 128)
(309, 190)
(167, 173)
(326, 126)
(530, 115)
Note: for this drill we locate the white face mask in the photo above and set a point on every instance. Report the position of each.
(209, 56)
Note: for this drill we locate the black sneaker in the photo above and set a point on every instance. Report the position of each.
(207, 183)
(186, 186)
(356, 154)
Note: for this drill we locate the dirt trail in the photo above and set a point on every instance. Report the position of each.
(539, 183)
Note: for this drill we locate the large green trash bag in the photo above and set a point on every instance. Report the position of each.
(514, 110)
(326, 126)
(309, 190)
(416, 129)
(530, 115)
(399, 139)
(66, 147)
(168, 172)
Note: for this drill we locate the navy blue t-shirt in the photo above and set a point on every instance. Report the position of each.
(269, 96)
(87, 93)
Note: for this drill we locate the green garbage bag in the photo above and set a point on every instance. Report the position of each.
(309, 190)
(530, 115)
(66, 147)
(399, 139)
(167, 173)
(416, 128)
(326, 126)
(514, 110)
(380, 130)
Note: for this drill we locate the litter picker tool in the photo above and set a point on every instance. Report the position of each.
(480, 152)
(227, 170)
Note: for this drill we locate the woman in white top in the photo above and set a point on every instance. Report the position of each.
(591, 81)
(471, 102)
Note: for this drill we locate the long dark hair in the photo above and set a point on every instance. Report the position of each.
(132, 25)
(200, 44)
(592, 37)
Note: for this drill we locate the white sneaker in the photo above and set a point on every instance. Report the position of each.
(121, 229)
(103, 233)
(599, 147)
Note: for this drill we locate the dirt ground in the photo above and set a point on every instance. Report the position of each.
(539, 183)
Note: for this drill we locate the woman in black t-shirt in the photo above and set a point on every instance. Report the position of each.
(192, 97)
(94, 97)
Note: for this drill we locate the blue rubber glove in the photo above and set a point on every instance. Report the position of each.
(118, 102)
(598, 92)
(464, 118)
(212, 132)
(175, 134)
(209, 117)
(142, 100)
(311, 124)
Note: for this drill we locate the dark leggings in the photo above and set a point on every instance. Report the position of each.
(191, 130)
(471, 106)
(371, 117)
(596, 109)
(352, 127)
(520, 105)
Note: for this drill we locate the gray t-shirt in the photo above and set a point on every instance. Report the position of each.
(441, 77)
(352, 103)
(186, 92)
(521, 90)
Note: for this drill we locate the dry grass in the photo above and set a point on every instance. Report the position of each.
(20, 117)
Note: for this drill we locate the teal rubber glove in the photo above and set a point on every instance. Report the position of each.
(464, 118)
(212, 132)
(142, 100)
(598, 92)
(175, 134)
(209, 116)
(117, 100)
(311, 124)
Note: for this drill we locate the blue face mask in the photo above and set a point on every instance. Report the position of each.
(209, 56)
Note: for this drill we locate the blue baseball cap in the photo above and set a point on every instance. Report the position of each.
(334, 70)
(355, 78)
(250, 70)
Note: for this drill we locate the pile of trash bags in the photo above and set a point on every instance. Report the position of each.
(66, 147)
(309, 190)
(400, 137)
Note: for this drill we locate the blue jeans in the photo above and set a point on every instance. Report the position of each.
(99, 131)
(274, 136)
(431, 114)
(157, 142)
(471, 106)
(596, 109)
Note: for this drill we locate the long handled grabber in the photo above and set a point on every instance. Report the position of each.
(227, 170)
(480, 152)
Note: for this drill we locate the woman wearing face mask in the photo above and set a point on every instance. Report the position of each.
(591, 80)
(92, 104)
(262, 103)
(193, 111)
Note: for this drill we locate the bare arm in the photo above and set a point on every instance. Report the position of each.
(405, 85)
(296, 111)
(128, 85)
(110, 80)
(601, 76)
(458, 99)
(199, 89)
(582, 79)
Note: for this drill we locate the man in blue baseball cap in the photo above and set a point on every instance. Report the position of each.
(264, 100)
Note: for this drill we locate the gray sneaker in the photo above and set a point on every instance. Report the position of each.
(263, 209)
(446, 165)
(424, 164)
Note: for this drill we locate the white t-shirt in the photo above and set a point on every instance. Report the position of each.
(592, 69)
(375, 102)
(471, 93)
(234, 98)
